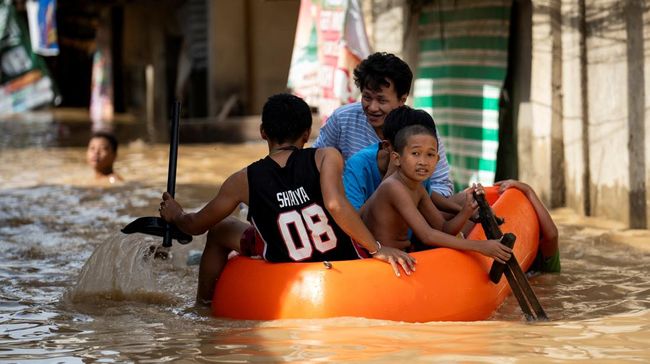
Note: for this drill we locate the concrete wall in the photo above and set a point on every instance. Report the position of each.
(535, 116)
(574, 142)
(602, 90)
(250, 45)
(608, 133)
(227, 43)
(646, 118)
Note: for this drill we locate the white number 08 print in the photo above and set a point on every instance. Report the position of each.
(310, 218)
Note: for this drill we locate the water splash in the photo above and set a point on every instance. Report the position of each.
(120, 269)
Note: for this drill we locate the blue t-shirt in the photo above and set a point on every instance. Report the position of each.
(361, 176)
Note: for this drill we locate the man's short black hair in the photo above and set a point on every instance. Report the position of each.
(285, 117)
(402, 137)
(404, 116)
(375, 71)
(112, 140)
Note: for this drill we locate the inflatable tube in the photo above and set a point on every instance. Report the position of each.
(448, 285)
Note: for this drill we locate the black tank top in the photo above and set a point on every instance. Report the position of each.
(286, 207)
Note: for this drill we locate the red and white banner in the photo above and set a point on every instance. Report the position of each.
(330, 41)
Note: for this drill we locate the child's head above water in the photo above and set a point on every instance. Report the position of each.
(404, 116)
(101, 152)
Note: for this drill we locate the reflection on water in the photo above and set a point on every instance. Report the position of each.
(53, 309)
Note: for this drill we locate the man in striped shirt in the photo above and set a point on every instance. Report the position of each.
(384, 81)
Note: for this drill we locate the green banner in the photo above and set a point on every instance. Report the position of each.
(461, 68)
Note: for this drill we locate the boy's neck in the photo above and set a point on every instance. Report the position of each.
(103, 173)
(411, 184)
(275, 148)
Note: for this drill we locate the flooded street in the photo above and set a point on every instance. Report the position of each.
(123, 307)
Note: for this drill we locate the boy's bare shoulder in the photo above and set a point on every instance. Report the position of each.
(327, 151)
(390, 187)
(331, 154)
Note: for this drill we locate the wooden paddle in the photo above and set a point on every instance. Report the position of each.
(516, 278)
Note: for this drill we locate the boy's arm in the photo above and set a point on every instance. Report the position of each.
(454, 225)
(549, 233)
(401, 202)
(233, 191)
(330, 165)
(444, 204)
(429, 211)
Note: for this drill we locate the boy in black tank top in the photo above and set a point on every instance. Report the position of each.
(297, 205)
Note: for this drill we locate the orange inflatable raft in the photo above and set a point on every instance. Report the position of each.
(448, 285)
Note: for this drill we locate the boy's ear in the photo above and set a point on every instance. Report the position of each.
(385, 144)
(262, 133)
(306, 135)
(394, 157)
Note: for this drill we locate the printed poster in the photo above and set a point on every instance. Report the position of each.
(330, 41)
(41, 16)
(24, 80)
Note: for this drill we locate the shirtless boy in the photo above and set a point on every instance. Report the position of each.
(401, 202)
(297, 206)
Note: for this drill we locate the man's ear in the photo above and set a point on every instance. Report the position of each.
(402, 100)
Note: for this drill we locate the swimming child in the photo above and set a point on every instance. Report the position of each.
(101, 155)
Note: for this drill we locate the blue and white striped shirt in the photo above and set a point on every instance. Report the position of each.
(348, 130)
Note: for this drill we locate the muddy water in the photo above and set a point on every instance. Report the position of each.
(74, 289)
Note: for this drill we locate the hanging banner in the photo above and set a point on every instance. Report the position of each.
(24, 80)
(462, 65)
(330, 41)
(41, 16)
(101, 82)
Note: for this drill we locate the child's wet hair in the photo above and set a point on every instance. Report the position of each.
(402, 137)
(112, 140)
(285, 117)
(404, 116)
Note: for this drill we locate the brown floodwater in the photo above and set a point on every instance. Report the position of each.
(73, 289)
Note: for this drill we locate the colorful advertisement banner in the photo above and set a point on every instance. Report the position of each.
(24, 80)
(330, 41)
(41, 16)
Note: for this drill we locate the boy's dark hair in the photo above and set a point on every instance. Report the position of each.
(285, 117)
(112, 140)
(401, 139)
(373, 72)
(404, 116)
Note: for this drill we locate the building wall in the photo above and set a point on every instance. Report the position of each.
(573, 107)
(250, 44)
(646, 118)
(535, 116)
(603, 121)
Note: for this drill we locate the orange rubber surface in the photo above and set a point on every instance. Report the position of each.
(448, 285)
